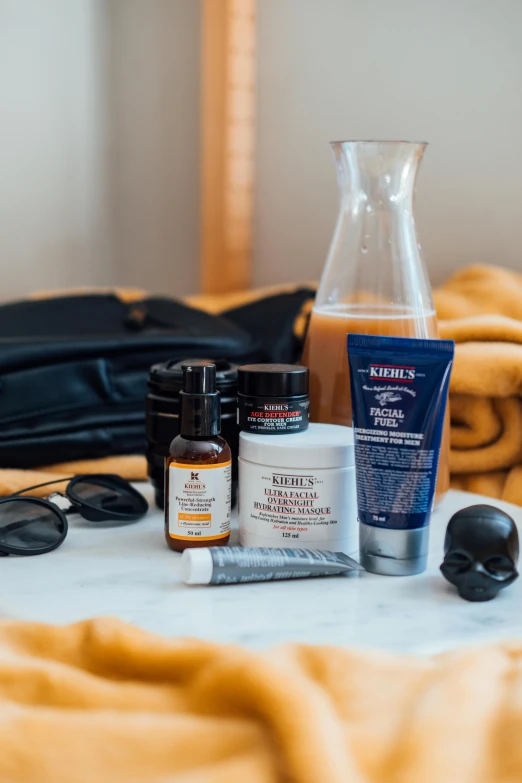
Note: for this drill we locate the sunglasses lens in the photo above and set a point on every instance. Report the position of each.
(29, 526)
(118, 500)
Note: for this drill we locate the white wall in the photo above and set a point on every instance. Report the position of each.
(154, 95)
(448, 72)
(99, 119)
(99, 144)
(52, 194)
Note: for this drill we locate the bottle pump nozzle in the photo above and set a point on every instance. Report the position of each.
(200, 402)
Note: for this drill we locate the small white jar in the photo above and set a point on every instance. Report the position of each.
(298, 491)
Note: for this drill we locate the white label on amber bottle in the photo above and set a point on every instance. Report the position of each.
(199, 501)
(297, 506)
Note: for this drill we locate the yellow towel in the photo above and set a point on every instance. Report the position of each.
(103, 702)
(132, 468)
(481, 309)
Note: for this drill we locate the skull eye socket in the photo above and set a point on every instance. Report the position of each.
(498, 566)
(457, 562)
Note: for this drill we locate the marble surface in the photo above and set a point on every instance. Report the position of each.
(128, 572)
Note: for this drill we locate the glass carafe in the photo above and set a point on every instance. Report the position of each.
(374, 280)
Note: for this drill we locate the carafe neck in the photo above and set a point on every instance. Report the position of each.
(376, 175)
(374, 257)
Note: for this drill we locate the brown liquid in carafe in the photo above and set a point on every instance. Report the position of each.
(326, 357)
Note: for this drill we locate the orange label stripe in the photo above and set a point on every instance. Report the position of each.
(195, 466)
(200, 538)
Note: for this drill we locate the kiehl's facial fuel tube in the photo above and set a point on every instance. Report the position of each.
(235, 564)
(399, 390)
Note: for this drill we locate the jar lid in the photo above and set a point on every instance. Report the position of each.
(320, 446)
(273, 380)
(168, 376)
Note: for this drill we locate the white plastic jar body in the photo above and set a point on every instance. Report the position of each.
(310, 508)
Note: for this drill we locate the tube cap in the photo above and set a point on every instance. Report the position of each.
(273, 380)
(393, 552)
(197, 566)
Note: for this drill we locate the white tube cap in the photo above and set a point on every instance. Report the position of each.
(197, 566)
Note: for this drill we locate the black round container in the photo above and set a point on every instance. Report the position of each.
(273, 398)
(163, 416)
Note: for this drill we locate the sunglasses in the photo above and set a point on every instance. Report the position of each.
(34, 526)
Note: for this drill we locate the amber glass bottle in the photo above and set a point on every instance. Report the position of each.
(199, 468)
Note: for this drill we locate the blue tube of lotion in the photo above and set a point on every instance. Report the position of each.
(399, 389)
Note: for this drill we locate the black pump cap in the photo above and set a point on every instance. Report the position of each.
(199, 377)
(273, 380)
(167, 378)
(200, 402)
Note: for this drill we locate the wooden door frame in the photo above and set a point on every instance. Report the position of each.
(227, 144)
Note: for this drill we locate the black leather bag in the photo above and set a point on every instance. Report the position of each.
(73, 371)
(271, 322)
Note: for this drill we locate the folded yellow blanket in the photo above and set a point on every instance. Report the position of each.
(481, 309)
(103, 702)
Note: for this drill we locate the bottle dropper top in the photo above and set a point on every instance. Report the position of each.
(200, 401)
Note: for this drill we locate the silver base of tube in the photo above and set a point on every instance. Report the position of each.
(393, 552)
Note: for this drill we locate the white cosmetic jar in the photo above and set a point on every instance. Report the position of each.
(298, 490)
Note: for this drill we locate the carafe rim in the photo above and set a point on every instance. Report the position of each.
(380, 141)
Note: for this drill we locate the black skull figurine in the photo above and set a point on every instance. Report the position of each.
(480, 552)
